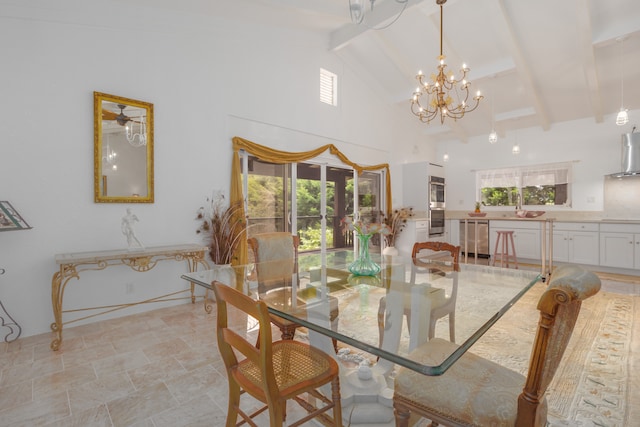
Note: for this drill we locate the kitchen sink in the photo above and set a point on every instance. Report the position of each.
(529, 214)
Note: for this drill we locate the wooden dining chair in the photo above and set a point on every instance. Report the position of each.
(477, 392)
(272, 372)
(276, 258)
(441, 307)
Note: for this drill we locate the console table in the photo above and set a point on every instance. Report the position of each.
(72, 264)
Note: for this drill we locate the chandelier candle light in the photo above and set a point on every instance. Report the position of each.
(440, 89)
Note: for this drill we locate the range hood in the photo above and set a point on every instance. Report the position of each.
(630, 155)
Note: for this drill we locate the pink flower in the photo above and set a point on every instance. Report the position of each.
(364, 229)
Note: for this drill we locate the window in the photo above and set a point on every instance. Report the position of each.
(328, 87)
(535, 185)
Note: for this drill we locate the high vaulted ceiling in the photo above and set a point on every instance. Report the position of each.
(538, 62)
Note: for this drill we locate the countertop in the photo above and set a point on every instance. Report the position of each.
(558, 216)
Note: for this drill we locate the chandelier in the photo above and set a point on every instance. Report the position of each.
(141, 135)
(136, 139)
(109, 156)
(445, 96)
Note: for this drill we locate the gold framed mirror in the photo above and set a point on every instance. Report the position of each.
(122, 150)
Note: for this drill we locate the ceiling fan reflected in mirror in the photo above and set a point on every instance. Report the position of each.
(136, 139)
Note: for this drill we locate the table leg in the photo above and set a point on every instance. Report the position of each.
(56, 304)
(192, 263)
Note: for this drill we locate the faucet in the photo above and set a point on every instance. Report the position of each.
(518, 201)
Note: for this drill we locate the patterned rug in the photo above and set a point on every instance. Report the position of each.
(596, 383)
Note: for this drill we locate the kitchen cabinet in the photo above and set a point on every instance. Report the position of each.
(415, 184)
(526, 237)
(415, 230)
(452, 231)
(620, 245)
(576, 242)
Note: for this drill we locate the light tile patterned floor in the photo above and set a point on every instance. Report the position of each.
(156, 369)
(160, 368)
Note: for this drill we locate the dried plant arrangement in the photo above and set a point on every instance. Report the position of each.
(223, 227)
(396, 222)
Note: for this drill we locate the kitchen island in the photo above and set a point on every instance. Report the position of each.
(544, 227)
(592, 239)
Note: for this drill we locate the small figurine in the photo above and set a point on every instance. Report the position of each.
(128, 230)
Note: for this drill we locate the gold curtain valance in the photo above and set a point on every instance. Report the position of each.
(282, 157)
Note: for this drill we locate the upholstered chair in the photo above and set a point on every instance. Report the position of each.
(276, 258)
(477, 392)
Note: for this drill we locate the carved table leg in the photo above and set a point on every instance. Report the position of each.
(56, 304)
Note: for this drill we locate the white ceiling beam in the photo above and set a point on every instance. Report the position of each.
(523, 69)
(515, 114)
(583, 17)
(382, 14)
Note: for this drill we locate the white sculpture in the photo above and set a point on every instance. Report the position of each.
(128, 230)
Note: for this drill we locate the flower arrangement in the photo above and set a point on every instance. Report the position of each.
(224, 227)
(362, 229)
(362, 264)
(396, 223)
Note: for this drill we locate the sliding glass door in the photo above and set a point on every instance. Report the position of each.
(324, 194)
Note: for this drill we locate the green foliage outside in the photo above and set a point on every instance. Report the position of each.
(266, 205)
(532, 196)
(499, 196)
(310, 238)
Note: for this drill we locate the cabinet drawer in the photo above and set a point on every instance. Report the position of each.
(576, 226)
(620, 228)
(514, 224)
(422, 223)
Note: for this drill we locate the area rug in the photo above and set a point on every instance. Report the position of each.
(598, 380)
(596, 383)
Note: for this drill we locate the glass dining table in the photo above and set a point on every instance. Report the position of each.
(386, 315)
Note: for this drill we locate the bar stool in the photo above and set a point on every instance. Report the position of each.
(505, 237)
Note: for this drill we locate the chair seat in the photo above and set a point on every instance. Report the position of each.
(491, 390)
(296, 366)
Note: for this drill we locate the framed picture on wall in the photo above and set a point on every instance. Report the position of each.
(10, 219)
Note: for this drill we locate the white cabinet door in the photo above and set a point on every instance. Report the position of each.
(580, 247)
(415, 186)
(636, 250)
(561, 246)
(527, 243)
(616, 250)
(454, 232)
(583, 247)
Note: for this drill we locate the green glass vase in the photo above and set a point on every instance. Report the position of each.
(363, 264)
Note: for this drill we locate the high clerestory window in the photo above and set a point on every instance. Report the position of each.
(536, 185)
(328, 87)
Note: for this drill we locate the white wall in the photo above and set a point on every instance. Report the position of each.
(595, 149)
(209, 80)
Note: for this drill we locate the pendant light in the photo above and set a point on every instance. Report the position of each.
(493, 136)
(515, 150)
(623, 116)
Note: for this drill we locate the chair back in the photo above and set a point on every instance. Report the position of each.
(229, 341)
(276, 257)
(437, 247)
(559, 307)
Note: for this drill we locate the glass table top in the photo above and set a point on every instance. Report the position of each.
(373, 313)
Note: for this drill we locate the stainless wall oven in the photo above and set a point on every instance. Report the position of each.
(436, 206)
(436, 222)
(436, 192)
